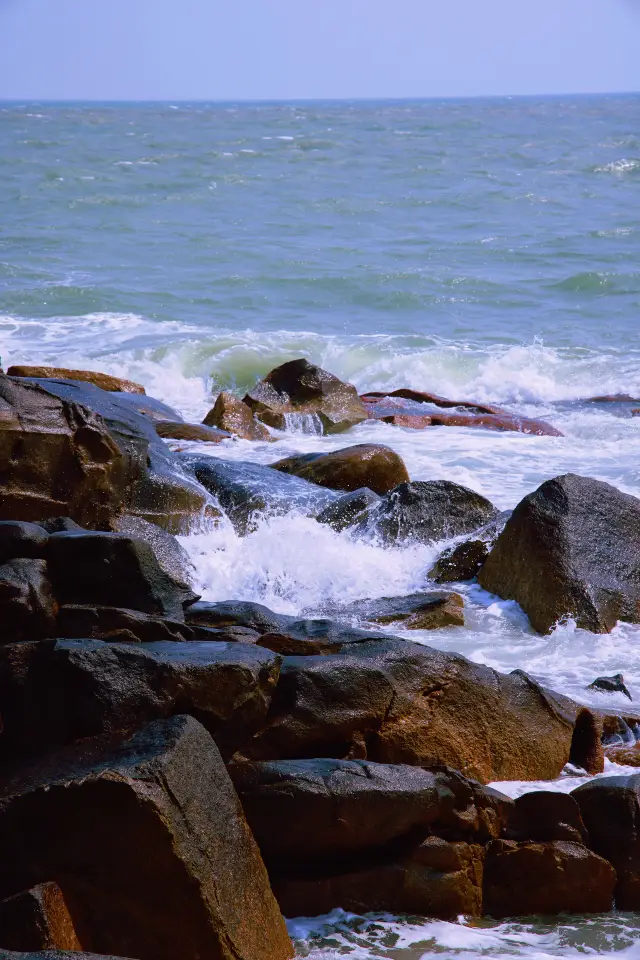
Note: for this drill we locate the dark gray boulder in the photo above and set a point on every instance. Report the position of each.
(345, 511)
(27, 602)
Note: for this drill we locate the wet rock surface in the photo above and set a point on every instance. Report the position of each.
(369, 465)
(463, 561)
(570, 549)
(426, 511)
(180, 874)
(419, 611)
(613, 684)
(301, 388)
(102, 380)
(345, 511)
(27, 601)
(169, 430)
(231, 414)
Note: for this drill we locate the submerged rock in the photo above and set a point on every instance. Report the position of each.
(463, 561)
(158, 863)
(613, 684)
(570, 549)
(299, 387)
(233, 415)
(102, 380)
(345, 511)
(420, 611)
(246, 490)
(37, 919)
(426, 511)
(369, 465)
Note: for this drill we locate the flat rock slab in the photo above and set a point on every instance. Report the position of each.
(57, 692)
(419, 611)
(158, 862)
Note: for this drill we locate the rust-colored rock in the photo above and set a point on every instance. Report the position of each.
(299, 387)
(420, 396)
(102, 380)
(570, 549)
(37, 919)
(149, 835)
(413, 422)
(58, 458)
(438, 879)
(627, 754)
(503, 422)
(169, 430)
(548, 878)
(369, 465)
(394, 701)
(233, 415)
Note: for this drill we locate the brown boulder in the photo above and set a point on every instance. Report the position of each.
(37, 919)
(157, 863)
(233, 415)
(545, 815)
(570, 549)
(58, 458)
(409, 420)
(299, 387)
(393, 701)
(169, 430)
(363, 465)
(548, 878)
(438, 879)
(102, 380)
(27, 604)
(610, 809)
(628, 755)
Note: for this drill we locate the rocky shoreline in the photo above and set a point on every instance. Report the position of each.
(176, 775)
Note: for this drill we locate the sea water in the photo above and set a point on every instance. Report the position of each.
(485, 250)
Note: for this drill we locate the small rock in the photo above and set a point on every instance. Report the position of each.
(190, 431)
(613, 684)
(233, 415)
(37, 919)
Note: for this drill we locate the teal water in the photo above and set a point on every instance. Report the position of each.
(485, 249)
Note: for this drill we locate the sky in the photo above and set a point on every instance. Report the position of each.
(315, 49)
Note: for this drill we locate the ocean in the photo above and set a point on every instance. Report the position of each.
(485, 250)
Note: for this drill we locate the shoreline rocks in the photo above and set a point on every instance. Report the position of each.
(365, 465)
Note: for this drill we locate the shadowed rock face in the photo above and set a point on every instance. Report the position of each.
(155, 486)
(245, 490)
(426, 511)
(301, 387)
(169, 430)
(348, 509)
(55, 692)
(363, 465)
(463, 561)
(27, 601)
(58, 458)
(37, 919)
(55, 955)
(570, 549)
(158, 862)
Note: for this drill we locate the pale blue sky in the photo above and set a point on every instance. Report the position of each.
(287, 49)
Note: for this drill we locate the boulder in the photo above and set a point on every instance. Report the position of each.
(37, 919)
(348, 509)
(27, 604)
(437, 879)
(102, 380)
(169, 430)
(393, 701)
(627, 755)
(247, 490)
(21, 540)
(571, 549)
(419, 611)
(233, 415)
(368, 465)
(158, 487)
(58, 457)
(299, 387)
(464, 560)
(545, 878)
(544, 816)
(305, 813)
(113, 570)
(55, 692)
(236, 613)
(157, 863)
(426, 511)
(169, 552)
(610, 809)
(613, 684)
(63, 525)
